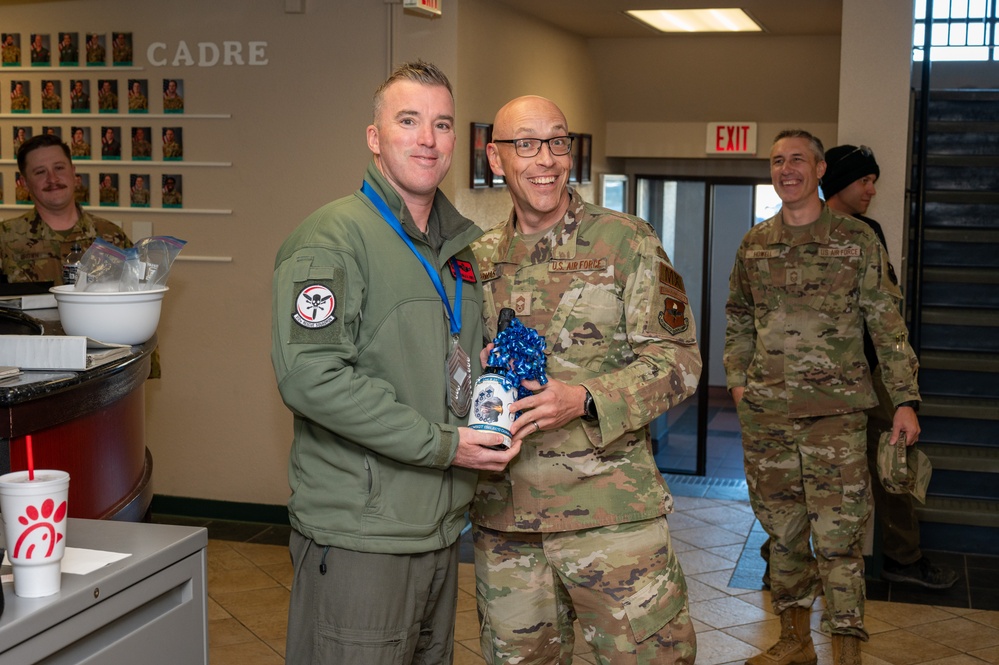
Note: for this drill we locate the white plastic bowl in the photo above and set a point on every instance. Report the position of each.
(125, 317)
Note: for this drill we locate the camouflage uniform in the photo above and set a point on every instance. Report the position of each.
(31, 251)
(172, 150)
(121, 52)
(175, 103)
(142, 148)
(11, 54)
(81, 149)
(137, 103)
(107, 101)
(173, 198)
(51, 102)
(601, 290)
(140, 197)
(79, 101)
(95, 53)
(108, 195)
(20, 103)
(799, 300)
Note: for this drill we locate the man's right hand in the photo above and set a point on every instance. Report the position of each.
(737, 394)
(474, 450)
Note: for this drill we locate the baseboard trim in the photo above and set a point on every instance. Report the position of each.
(219, 510)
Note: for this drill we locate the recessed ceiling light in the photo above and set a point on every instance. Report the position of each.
(697, 20)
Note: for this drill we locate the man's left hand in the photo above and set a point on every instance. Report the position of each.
(551, 406)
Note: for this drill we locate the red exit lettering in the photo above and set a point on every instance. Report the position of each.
(732, 138)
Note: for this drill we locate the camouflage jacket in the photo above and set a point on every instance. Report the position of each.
(30, 251)
(798, 302)
(613, 311)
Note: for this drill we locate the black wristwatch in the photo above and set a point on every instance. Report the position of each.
(913, 404)
(589, 408)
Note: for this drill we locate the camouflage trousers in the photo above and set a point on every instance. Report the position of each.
(808, 481)
(622, 583)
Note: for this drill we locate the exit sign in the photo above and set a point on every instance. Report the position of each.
(731, 138)
(426, 7)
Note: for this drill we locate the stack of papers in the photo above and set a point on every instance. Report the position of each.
(36, 301)
(51, 352)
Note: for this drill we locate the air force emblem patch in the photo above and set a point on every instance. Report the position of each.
(314, 307)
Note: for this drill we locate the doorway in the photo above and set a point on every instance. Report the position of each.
(701, 223)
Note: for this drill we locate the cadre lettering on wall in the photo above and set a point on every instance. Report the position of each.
(207, 54)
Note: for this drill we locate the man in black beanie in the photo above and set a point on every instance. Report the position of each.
(849, 185)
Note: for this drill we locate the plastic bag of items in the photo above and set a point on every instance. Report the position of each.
(106, 267)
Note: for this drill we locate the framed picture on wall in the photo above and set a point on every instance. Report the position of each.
(479, 173)
(582, 147)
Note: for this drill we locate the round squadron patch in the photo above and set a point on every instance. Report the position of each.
(314, 307)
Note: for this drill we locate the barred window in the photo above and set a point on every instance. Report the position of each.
(959, 30)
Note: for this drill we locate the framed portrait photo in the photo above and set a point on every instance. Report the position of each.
(480, 173)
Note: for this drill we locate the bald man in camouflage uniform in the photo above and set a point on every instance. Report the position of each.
(804, 285)
(576, 527)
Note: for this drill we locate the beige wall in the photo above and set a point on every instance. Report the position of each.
(295, 140)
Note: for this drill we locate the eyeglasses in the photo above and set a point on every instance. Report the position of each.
(557, 145)
(863, 150)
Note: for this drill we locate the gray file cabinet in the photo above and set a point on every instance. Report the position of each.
(149, 608)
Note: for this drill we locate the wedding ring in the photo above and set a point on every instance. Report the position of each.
(537, 427)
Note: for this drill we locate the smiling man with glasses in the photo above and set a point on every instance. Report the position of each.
(575, 527)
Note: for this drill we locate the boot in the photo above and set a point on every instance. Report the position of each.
(795, 644)
(846, 649)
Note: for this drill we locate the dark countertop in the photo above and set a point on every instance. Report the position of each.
(33, 384)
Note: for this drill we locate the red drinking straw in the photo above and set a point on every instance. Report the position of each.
(31, 458)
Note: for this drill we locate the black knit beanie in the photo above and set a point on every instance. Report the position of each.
(844, 164)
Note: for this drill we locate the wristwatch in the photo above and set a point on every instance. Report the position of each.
(589, 408)
(913, 404)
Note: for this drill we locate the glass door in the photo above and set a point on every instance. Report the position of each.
(701, 223)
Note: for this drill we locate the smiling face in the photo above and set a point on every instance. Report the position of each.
(49, 176)
(413, 138)
(539, 184)
(795, 171)
(855, 198)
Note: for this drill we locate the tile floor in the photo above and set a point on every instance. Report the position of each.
(249, 577)
(717, 539)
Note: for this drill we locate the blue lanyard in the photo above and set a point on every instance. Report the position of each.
(454, 316)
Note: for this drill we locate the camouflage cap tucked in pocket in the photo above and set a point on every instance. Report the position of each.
(903, 468)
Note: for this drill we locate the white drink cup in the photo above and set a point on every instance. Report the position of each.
(34, 529)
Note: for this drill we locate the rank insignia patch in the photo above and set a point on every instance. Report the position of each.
(314, 307)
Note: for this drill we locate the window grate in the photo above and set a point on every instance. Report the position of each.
(959, 30)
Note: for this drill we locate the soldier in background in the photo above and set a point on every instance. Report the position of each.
(805, 285)
(136, 99)
(121, 49)
(32, 245)
(108, 191)
(172, 101)
(19, 99)
(81, 191)
(79, 98)
(79, 148)
(107, 96)
(172, 148)
(69, 54)
(171, 193)
(95, 49)
(141, 147)
(140, 193)
(51, 101)
(11, 51)
(39, 51)
(849, 186)
(576, 527)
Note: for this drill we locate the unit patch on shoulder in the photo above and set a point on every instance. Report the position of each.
(465, 268)
(314, 307)
(673, 315)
